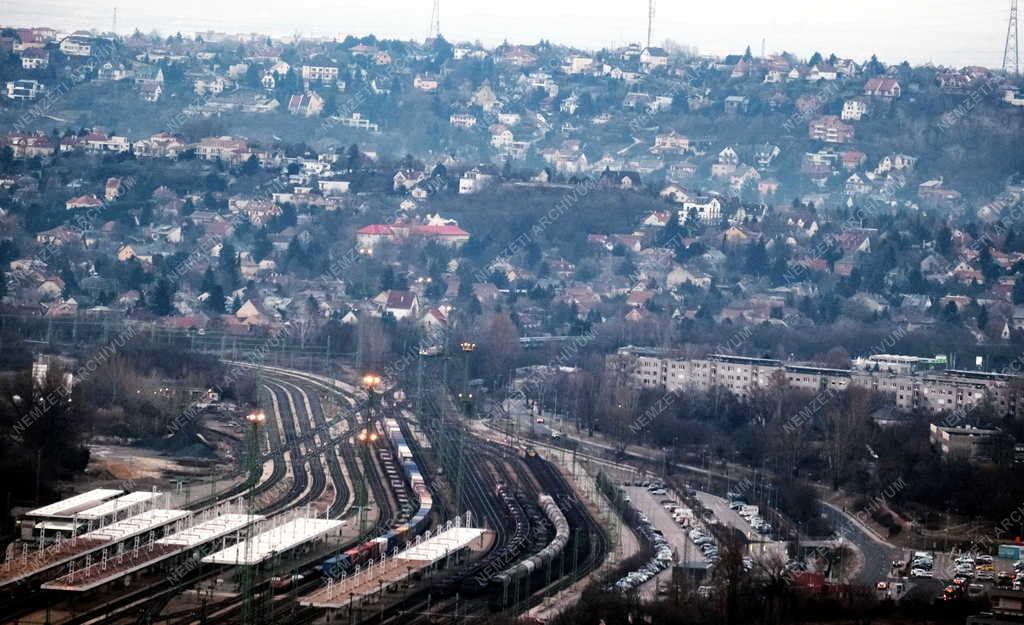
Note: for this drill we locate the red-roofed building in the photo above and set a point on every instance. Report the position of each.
(448, 235)
(83, 201)
(400, 304)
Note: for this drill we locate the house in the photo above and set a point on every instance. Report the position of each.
(321, 73)
(333, 188)
(653, 58)
(160, 145)
(434, 321)
(765, 155)
(477, 179)
(854, 109)
(257, 210)
(399, 304)
(675, 193)
(882, 87)
(228, 149)
(578, 64)
(151, 92)
(113, 189)
(822, 71)
(671, 142)
(856, 185)
(78, 43)
(148, 75)
(113, 72)
(426, 83)
(935, 191)
(681, 275)
(625, 180)
(767, 187)
(407, 179)
(100, 142)
(32, 39)
(252, 314)
(852, 159)
(306, 105)
(83, 201)
(24, 89)
(896, 162)
(830, 129)
(35, 58)
(29, 145)
(705, 209)
(485, 98)
(501, 136)
(462, 120)
(736, 104)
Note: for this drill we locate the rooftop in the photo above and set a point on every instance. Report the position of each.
(281, 538)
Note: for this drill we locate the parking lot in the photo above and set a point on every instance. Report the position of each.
(760, 544)
(683, 548)
(958, 574)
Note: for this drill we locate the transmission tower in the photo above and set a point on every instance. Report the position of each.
(114, 24)
(650, 21)
(1011, 53)
(435, 20)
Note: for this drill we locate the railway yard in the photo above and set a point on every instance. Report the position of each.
(349, 505)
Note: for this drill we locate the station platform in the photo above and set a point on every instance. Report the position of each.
(417, 558)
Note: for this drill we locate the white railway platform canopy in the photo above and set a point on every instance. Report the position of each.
(68, 508)
(188, 535)
(368, 580)
(210, 530)
(35, 561)
(269, 543)
(137, 525)
(445, 543)
(113, 507)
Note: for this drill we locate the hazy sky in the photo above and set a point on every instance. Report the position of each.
(953, 32)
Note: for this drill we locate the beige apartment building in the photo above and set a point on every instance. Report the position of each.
(935, 390)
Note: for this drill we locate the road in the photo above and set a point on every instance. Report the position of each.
(877, 555)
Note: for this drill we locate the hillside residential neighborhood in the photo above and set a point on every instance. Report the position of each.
(756, 290)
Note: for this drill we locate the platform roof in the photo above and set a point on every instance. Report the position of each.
(273, 541)
(204, 532)
(72, 505)
(338, 594)
(136, 525)
(97, 574)
(120, 504)
(437, 547)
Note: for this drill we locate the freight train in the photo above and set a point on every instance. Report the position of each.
(546, 555)
(411, 526)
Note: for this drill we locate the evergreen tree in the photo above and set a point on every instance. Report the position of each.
(215, 302)
(209, 281)
(161, 300)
